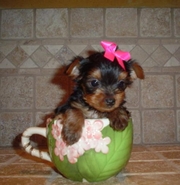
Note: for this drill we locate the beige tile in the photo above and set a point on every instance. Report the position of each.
(17, 56)
(42, 116)
(171, 47)
(41, 56)
(139, 54)
(65, 55)
(155, 22)
(119, 22)
(52, 23)
(29, 71)
(53, 49)
(158, 126)
(16, 92)
(53, 63)
(177, 22)
(1, 56)
(48, 95)
(10, 132)
(77, 49)
(5, 64)
(172, 62)
(85, 53)
(161, 56)
(178, 93)
(126, 47)
(149, 63)
(29, 49)
(7, 46)
(17, 24)
(157, 91)
(149, 48)
(132, 95)
(135, 114)
(86, 22)
(29, 64)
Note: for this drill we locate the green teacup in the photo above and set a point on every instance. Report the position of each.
(106, 154)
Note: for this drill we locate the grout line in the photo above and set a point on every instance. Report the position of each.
(145, 160)
(153, 160)
(167, 151)
(150, 173)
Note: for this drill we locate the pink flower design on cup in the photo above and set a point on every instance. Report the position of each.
(91, 139)
(61, 149)
(56, 130)
(102, 145)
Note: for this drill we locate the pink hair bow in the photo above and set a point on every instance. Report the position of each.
(111, 53)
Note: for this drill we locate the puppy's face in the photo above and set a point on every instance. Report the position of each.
(104, 88)
(103, 82)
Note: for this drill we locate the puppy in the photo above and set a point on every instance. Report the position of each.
(99, 92)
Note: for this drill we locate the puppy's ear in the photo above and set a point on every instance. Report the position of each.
(137, 71)
(73, 69)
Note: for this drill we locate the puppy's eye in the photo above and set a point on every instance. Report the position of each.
(94, 83)
(121, 85)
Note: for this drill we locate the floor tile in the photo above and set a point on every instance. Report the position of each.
(140, 156)
(139, 148)
(171, 155)
(149, 167)
(25, 170)
(22, 181)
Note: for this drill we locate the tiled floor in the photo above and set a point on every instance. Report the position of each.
(148, 165)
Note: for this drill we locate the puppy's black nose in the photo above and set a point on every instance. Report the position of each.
(110, 101)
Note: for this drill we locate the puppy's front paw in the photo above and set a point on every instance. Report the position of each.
(118, 123)
(72, 121)
(119, 119)
(71, 135)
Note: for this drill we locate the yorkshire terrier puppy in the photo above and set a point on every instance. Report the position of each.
(99, 92)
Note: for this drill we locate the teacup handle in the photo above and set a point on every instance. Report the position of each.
(25, 141)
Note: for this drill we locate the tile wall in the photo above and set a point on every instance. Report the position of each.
(36, 44)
